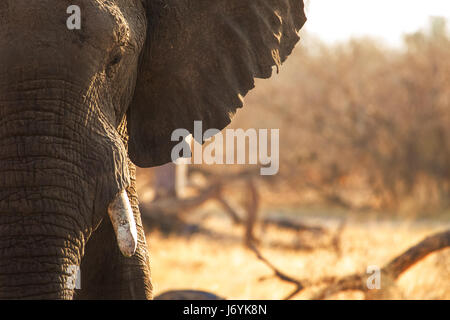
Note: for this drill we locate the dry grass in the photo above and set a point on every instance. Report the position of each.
(222, 265)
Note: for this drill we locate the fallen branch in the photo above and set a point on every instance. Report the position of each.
(358, 282)
(172, 208)
(393, 269)
(416, 253)
(174, 204)
(229, 210)
(299, 286)
(290, 224)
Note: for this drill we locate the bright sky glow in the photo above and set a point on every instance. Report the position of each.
(337, 20)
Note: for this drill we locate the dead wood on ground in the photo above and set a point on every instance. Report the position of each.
(358, 282)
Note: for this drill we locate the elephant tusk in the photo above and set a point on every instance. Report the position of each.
(122, 219)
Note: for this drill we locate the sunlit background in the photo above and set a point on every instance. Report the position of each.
(385, 20)
(363, 108)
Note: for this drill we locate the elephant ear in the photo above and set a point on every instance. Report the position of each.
(200, 59)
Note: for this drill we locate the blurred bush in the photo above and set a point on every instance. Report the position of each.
(361, 124)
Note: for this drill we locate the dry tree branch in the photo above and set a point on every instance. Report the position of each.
(173, 207)
(243, 174)
(212, 191)
(416, 253)
(299, 286)
(174, 204)
(337, 238)
(357, 282)
(393, 269)
(229, 210)
(252, 207)
(289, 224)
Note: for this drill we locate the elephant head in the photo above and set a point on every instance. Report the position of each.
(79, 106)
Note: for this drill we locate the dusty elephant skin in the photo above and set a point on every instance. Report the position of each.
(79, 107)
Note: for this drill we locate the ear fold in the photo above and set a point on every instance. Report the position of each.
(200, 60)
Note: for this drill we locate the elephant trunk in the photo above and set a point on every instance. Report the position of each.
(41, 234)
(60, 168)
(37, 263)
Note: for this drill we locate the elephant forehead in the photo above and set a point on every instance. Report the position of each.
(123, 20)
(103, 23)
(108, 23)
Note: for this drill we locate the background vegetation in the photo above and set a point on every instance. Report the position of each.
(363, 124)
(364, 154)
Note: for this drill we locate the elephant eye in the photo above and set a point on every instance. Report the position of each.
(111, 68)
(115, 60)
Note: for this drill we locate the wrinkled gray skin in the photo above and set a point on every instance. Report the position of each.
(71, 101)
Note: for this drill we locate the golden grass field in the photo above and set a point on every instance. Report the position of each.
(222, 264)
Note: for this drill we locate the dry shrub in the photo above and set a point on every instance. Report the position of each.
(362, 124)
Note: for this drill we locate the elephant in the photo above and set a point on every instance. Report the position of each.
(81, 107)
